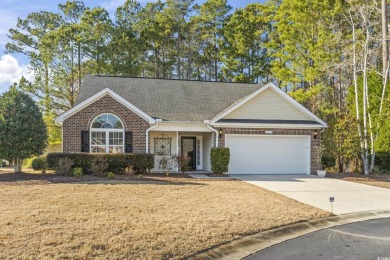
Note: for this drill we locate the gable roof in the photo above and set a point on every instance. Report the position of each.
(170, 100)
(183, 100)
(99, 95)
(314, 120)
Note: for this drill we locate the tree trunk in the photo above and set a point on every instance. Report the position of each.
(385, 49)
(356, 91)
(365, 128)
(79, 63)
(17, 164)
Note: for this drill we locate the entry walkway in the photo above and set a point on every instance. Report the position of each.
(349, 197)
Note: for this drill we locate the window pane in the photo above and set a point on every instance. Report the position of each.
(107, 121)
(107, 125)
(96, 124)
(98, 149)
(98, 138)
(118, 125)
(116, 138)
(116, 149)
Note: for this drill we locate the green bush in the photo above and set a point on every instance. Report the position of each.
(64, 166)
(142, 163)
(78, 172)
(82, 160)
(39, 164)
(110, 175)
(328, 161)
(117, 163)
(99, 166)
(382, 161)
(220, 157)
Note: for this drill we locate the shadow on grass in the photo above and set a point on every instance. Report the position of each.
(29, 179)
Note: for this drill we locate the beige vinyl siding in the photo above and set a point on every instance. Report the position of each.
(267, 105)
(208, 142)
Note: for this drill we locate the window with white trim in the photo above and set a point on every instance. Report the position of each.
(107, 134)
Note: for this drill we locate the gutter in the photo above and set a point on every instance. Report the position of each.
(147, 134)
(207, 123)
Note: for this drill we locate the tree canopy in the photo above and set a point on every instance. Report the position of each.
(23, 132)
(324, 53)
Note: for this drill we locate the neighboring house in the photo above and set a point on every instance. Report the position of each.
(266, 130)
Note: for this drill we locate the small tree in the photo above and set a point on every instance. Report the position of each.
(23, 132)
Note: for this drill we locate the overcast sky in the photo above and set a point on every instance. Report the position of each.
(12, 67)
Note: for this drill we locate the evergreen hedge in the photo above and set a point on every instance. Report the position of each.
(220, 157)
(117, 163)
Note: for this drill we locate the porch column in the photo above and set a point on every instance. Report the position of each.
(177, 143)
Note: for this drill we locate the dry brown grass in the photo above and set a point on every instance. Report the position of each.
(378, 180)
(160, 219)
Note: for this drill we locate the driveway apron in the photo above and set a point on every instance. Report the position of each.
(349, 197)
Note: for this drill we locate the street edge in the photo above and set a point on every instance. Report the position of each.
(249, 245)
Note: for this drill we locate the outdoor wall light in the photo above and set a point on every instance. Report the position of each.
(315, 134)
(220, 133)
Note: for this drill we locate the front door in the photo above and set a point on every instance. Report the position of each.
(188, 146)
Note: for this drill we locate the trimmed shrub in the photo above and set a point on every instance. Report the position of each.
(142, 163)
(328, 161)
(78, 172)
(220, 157)
(39, 164)
(64, 166)
(116, 163)
(99, 166)
(82, 160)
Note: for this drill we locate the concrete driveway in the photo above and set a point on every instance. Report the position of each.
(349, 197)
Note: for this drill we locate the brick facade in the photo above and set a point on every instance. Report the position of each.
(315, 143)
(82, 120)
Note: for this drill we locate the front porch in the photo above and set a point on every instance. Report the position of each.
(196, 145)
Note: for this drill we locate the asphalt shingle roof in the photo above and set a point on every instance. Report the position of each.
(171, 100)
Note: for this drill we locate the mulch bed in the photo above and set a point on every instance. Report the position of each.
(216, 175)
(359, 177)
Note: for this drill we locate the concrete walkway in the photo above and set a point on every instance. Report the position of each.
(349, 197)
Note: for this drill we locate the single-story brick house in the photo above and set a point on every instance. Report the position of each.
(267, 131)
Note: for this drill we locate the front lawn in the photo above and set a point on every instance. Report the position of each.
(159, 218)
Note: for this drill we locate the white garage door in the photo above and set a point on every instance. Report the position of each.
(259, 154)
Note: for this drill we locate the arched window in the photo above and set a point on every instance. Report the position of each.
(107, 134)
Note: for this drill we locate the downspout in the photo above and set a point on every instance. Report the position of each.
(147, 134)
(207, 122)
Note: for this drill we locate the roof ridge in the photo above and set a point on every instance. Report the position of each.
(170, 79)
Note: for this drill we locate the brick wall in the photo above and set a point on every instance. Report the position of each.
(315, 143)
(82, 120)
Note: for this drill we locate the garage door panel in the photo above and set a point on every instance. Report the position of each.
(268, 154)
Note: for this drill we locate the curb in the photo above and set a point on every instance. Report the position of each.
(248, 245)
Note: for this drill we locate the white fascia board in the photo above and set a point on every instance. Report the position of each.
(96, 97)
(261, 125)
(278, 91)
(182, 127)
(180, 123)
